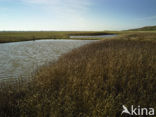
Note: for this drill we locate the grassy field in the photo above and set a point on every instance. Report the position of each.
(91, 81)
(28, 36)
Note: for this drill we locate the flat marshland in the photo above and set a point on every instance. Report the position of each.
(94, 80)
(15, 36)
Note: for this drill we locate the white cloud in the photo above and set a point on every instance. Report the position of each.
(62, 5)
(57, 14)
(69, 12)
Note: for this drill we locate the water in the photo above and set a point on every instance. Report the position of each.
(20, 59)
(95, 36)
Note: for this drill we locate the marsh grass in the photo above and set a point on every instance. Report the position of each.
(17, 36)
(91, 81)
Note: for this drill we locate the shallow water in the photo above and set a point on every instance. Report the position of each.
(95, 36)
(20, 59)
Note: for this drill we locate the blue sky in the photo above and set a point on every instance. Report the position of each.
(76, 14)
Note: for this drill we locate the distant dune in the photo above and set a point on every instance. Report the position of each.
(146, 28)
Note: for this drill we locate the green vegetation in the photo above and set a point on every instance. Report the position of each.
(28, 36)
(146, 28)
(91, 81)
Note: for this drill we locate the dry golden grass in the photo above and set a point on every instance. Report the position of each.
(92, 81)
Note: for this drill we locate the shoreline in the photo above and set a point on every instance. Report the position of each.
(7, 37)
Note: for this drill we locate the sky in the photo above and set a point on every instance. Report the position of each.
(64, 15)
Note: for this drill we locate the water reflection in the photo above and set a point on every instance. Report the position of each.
(94, 36)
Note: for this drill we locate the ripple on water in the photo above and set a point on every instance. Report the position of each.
(20, 59)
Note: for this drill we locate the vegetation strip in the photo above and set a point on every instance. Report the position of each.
(16, 36)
